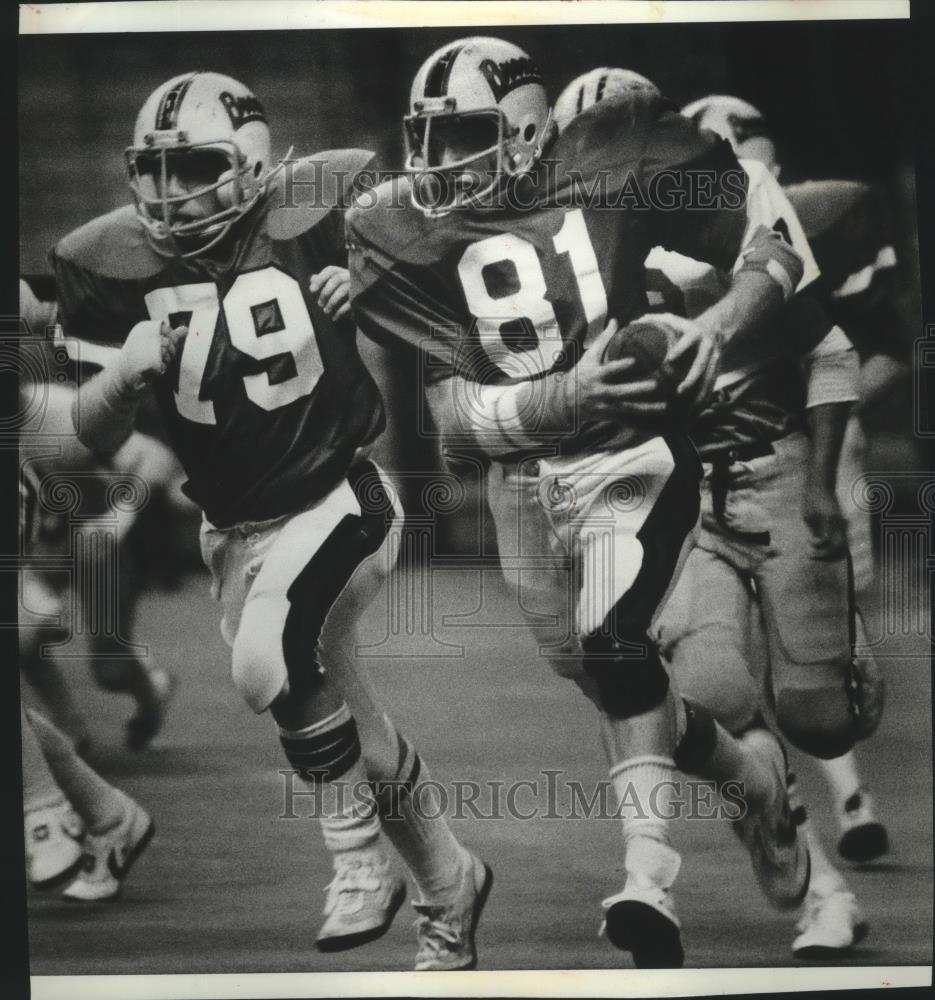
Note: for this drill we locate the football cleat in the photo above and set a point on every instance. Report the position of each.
(642, 921)
(109, 856)
(362, 900)
(151, 708)
(54, 836)
(446, 931)
(831, 923)
(781, 862)
(863, 837)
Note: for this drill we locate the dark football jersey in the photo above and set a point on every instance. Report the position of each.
(846, 223)
(268, 400)
(758, 398)
(513, 292)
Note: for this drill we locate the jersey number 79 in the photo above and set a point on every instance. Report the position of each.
(268, 292)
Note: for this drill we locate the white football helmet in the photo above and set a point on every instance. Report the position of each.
(594, 86)
(212, 128)
(740, 123)
(493, 92)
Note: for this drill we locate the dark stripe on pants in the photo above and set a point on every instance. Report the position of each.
(317, 587)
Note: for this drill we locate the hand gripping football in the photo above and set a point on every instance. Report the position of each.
(647, 340)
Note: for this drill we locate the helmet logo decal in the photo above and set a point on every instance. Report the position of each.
(167, 115)
(436, 83)
(506, 76)
(242, 109)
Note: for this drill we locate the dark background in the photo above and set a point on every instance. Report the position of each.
(837, 94)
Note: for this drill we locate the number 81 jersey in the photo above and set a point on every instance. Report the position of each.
(509, 293)
(268, 401)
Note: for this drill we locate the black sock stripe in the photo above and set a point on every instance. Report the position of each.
(340, 733)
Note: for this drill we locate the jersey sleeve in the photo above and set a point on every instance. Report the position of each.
(400, 307)
(697, 191)
(767, 205)
(90, 307)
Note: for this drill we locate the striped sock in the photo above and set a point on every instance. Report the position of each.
(326, 755)
(411, 815)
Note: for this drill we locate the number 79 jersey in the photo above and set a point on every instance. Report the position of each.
(505, 294)
(268, 400)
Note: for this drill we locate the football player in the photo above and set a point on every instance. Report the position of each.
(503, 263)
(80, 831)
(114, 668)
(844, 224)
(205, 282)
(759, 415)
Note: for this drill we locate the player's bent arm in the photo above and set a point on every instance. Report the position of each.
(105, 407)
(832, 370)
(765, 279)
(506, 420)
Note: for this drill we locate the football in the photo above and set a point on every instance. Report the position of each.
(647, 341)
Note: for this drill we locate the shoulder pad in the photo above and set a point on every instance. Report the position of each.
(384, 218)
(822, 205)
(112, 246)
(603, 126)
(303, 192)
(628, 136)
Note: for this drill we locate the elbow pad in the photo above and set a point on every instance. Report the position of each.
(768, 253)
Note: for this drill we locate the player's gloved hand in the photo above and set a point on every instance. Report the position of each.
(828, 526)
(703, 347)
(147, 353)
(332, 285)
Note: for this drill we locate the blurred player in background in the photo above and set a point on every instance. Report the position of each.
(845, 224)
(759, 467)
(99, 596)
(205, 282)
(758, 548)
(488, 268)
(80, 831)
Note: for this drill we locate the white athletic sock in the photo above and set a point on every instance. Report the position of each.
(646, 789)
(825, 877)
(40, 789)
(841, 774)
(96, 801)
(412, 819)
(326, 755)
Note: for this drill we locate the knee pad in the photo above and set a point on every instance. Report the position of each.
(629, 675)
(817, 721)
(258, 667)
